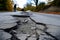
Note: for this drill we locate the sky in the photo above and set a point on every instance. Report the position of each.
(22, 3)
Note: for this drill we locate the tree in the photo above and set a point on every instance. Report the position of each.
(29, 7)
(40, 6)
(6, 5)
(56, 3)
(9, 5)
(2, 5)
(36, 3)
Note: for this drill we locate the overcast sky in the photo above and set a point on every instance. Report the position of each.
(22, 3)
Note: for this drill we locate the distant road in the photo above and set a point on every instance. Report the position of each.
(46, 18)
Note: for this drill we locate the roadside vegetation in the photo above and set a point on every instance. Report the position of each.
(6, 5)
(53, 7)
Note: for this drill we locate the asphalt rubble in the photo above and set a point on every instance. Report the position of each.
(26, 31)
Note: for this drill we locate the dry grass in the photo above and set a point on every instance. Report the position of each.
(53, 13)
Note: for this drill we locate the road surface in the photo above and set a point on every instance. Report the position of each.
(52, 21)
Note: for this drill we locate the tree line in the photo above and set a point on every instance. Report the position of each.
(42, 6)
(7, 5)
